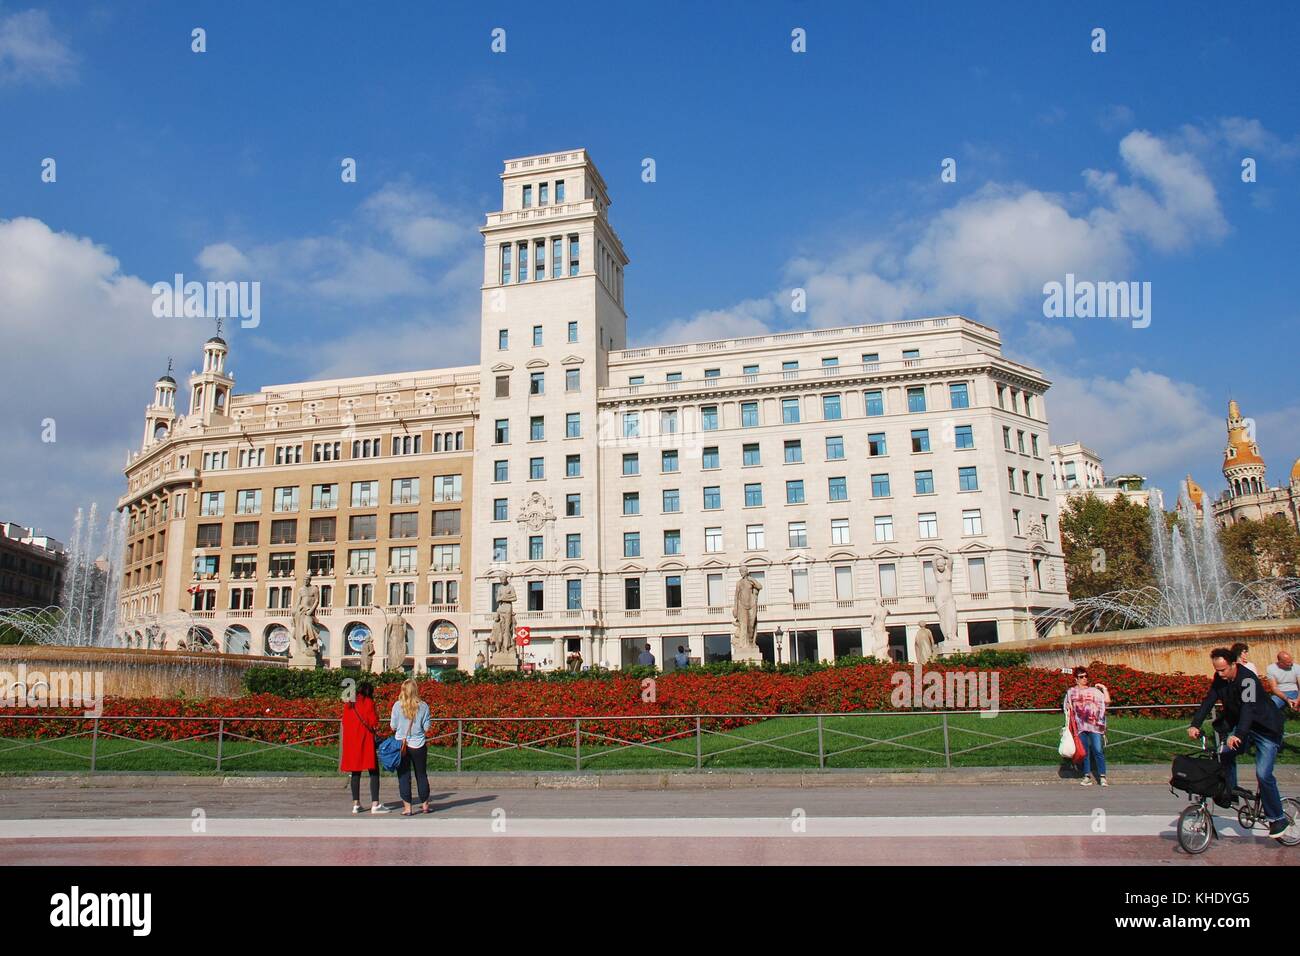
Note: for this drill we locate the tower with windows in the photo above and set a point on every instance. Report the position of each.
(552, 310)
(160, 416)
(211, 388)
(1243, 466)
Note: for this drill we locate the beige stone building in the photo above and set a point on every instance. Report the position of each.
(619, 490)
(1077, 471)
(1248, 496)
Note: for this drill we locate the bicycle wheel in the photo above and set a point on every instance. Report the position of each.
(1291, 807)
(1194, 828)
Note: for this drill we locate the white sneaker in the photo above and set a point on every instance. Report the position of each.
(1104, 783)
(1086, 782)
(356, 808)
(379, 808)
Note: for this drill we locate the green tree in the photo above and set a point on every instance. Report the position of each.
(1107, 545)
(1261, 549)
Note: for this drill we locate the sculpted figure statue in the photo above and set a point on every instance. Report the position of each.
(877, 638)
(924, 645)
(368, 654)
(395, 642)
(503, 629)
(304, 617)
(944, 605)
(745, 609)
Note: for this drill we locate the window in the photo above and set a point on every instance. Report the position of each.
(573, 594)
(791, 368)
(326, 451)
(573, 425)
(248, 502)
(402, 561)
(573, 466)
(365, 494)
(673, 590)
(798, 532)
(284, 531)
(927, 525)
(794, 493)
(321, 563)
(208, 536)
(447, 487)
(282, 566)
(713, 373)
(790, 411)
(1039, 478)
(750, 454)
(831, 407)
(559, 192)
(212, 504)
(500, 509)
(920, 440)
(405, 524)
(668, 422)
(631, 544)
(573, 326)
(916, 398)
(537, 383)
(924, 482)
(830, 361)
(713, 589)
(536, 469)
(668, 460)
(499, 549)
(503, 339)
(754, 495)
(793, 452)
(749, 370)
(1011, 479)
(709, 418)
(911, 354)
(839, 531)
(573, 255)
(1006, 437)
(543, 190)
(710, 458)
(501, 471)
(972, 522)
(631, 503)
(843, 583)
(880, 486)
(445, 524)
(631, 424)
(636, 380)
(712, 498)
(834, 447)
(573, 545)
(537, 428)
(958, 395)
(870, 358)
(361, 560)
(632, 594)
(631, 464)
(1015, 519)
(405, 491)
(245, 534)
(673, 377)
(362, 528)
(964, 437)
(288, 455)
(749, 414)
(535, 546)
(1020, 441)
(712, 540)
(321, 529)
(877, 444)
(838, 488)
(888, 581)
(528, 196)
(536, 596)
(672, 501)
(754, 537)
(573, 506)
(875, 402)
(571, 379)
(673, 542)
(979, 582)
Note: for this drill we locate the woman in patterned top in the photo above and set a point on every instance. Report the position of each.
(1087, 706)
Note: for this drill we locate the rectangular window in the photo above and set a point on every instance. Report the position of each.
(573, 255)
(875, 402)
(831, 410)
(672, 501)
(668, 422)
(790, 368)
(750, 454)
(712, 498)
(632, 594)
(286, 499)
(528, 196)
(284, 532)
(559, 190)
(572, 379)
(362, 527)
(972, 522)
(870, 358)
(880, 486)
(673, 542)
(749, 370)
(673, 377)
(843, 583)
(535, 546)
(979, 581)
(916, 398)
(927, 525)
(1015, 519)
(406, 524)
(798, 534)
(838, 488)
(713, 373)
(501, 471)
(710, 459)
(557, 260)
(877, 444)
(668, 460)
(573, 326)
(839, 531)
(404, 491)
(447, 487)
(536, 469)
(573, 425)
(794, 493)
(445, 524)
(248, 502)
(361, 560)
(709, 418)
(673, 590)
(503, 386)
(537, 428)
(631, 424)
(830, 361)
(749, 414)
(500, 509)
(924, 482)
(573, 506)
(1039, 478)
(631, 503)
(536, 596)
(1020, 441)
(631, 464)
(964, 436)
(958, 395)
(573, 466)
(212, 504)
(911, 354)
(1006, 437)
(208, 536)
(503, 339)
(505, 263)
(754, 495)
(321, 530)
(754, 537)
(543, 193)
(573, 545)
(920, 440)
(712, 540)
(245, 534)
(1011, 479)
(834, 447)
(888, 581)
(573, 594)
(790, 411)
(499, 549)
(537, 383)
(631, 544)
(713, 588)
(501, 433)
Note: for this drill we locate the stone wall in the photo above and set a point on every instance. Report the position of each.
(140, 673)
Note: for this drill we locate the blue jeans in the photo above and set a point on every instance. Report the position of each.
(1092, 753)
(1287, 695)
(1265, 757)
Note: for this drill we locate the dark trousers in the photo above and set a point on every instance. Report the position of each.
(415, 758)
(374, 786)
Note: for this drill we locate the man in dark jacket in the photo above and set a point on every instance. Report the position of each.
(1248, 717)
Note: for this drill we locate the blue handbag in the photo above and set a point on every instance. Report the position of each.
(390, 753)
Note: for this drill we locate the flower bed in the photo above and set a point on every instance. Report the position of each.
(863, 687)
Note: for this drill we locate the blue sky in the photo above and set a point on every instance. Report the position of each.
(775, 170)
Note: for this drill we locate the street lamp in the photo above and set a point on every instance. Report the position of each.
(794, 633)
(779, 633)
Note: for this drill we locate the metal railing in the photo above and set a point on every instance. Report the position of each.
(581, 743)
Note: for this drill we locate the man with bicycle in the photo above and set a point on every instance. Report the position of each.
(1248, 718)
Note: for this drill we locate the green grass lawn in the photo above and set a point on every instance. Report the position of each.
(903, 741)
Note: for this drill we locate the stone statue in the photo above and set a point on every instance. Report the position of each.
(924, 645)
(944, 605)
(503, 628)
(305, 641)
(368, 654)
(745, 609)
(395, 642)
(875, 635)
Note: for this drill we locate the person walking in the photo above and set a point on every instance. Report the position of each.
(1086, 705)
(360, 727)
(410, 722)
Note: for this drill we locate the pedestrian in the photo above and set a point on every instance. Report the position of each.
(1240, 649)
(682, 659)
(410, 721)
(645, 657)
(1087, 706)
(1282, 681)
(360, 727)
(1247, 720)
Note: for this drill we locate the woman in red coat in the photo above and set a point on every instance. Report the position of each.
(360, 723)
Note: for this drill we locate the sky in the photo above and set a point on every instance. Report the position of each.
(774, 169)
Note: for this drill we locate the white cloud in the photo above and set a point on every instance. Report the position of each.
(31, 52)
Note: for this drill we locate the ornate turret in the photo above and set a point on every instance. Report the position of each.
(1243, 466)
(1196, 495)
(160, 416)
(210, 389)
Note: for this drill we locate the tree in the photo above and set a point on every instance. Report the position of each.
(1107, 545)
(1261, 549)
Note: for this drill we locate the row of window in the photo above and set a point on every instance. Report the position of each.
(503, 339)
(358, 596)
(364, 494)
(543, 193)
(520, 258)
(360, 528)
(401, 560)
(412, 444)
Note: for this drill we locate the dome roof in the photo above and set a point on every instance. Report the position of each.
(216, 340)
(1241, 450)
(1295, 470)
(1195, 494)
(166, 379)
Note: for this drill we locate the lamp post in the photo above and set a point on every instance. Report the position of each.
(794, 633)
(779, 632)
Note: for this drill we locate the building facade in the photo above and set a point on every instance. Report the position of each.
(1077, 471)
(31, 567)
(620, 491)
(1248, 496)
